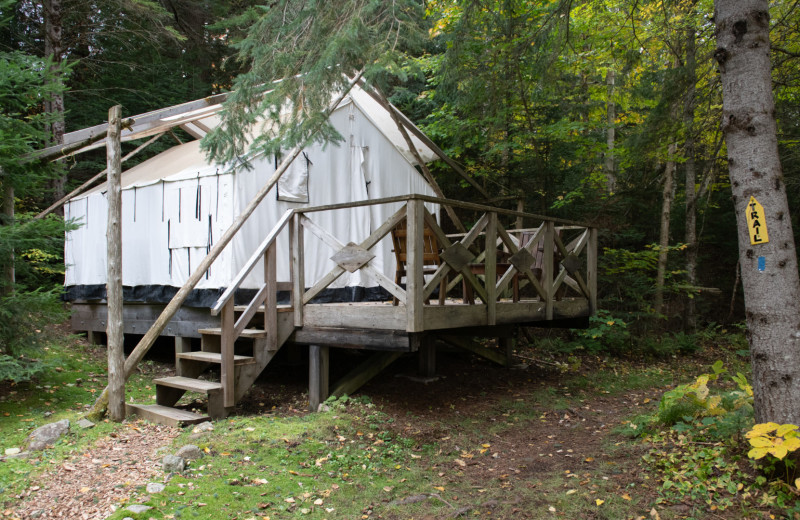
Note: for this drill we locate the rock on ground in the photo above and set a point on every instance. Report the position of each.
(189, 452)
(46, 435)
(173, 464)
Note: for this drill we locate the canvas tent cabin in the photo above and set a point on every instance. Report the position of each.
(176, 204)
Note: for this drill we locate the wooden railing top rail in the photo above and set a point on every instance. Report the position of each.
(447, 202)
(254, 258)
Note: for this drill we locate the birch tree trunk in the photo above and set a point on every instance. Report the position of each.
(611, 119)
(668, 195)
(769, 267)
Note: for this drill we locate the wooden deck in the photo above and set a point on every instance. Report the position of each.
(561, 290)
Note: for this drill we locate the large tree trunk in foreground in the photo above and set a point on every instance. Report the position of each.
(769, 267)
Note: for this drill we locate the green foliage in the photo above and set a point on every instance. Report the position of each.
(298, 56)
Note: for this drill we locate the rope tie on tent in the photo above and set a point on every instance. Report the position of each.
(198, 201)
(169, 248)
(135, 191)
(216, 211)
(210, 241)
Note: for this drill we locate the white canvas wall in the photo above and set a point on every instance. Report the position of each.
(166, 225)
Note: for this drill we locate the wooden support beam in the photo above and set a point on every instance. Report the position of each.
(426, 355)
(86, 185)
(318, 369)
(114, 329)
(227, 367)
(490, 269)
(591, 270)
(471, 346)
(182, 345)
(507, 346)
(297, 268)
(415, 281)
(361, 374)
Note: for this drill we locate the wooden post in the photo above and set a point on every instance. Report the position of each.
(114, 330)
(298, 267)
(591, 270)
(318, 365)
(547, 274)
(415, 281)
(507, 347)
(271, 303)
(426, 356)
(227, 368)
(490, 269)
(521, 208)
(182, 344)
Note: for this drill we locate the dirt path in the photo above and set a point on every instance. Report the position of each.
(91, 485)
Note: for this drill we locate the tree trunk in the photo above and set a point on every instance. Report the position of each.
(690, 178)
(611, 119)
(114, 330)
(55, 105)
(768, 268)
(663, 241)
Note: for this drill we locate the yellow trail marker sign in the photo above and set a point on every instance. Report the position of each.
(756, 223)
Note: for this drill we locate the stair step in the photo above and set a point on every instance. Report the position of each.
(214, 357)
(165, 415)
(187, 383)
(246, 333)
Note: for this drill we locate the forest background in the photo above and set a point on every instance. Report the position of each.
(604, 112)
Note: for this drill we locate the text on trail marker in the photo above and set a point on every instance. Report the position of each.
(756, 223)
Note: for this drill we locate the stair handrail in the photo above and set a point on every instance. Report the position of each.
(257, 255)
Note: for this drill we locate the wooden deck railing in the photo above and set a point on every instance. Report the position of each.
(463, 257)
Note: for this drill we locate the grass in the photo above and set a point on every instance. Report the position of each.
(501, 453)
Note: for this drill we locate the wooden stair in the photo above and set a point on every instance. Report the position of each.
(251, 357)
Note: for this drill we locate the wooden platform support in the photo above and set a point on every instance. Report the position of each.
(318, 376)
(472, 346)
(426, 355)
(507, 346)
(361, 374)
(182, 345)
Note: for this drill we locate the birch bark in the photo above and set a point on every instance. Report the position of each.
(769, 268)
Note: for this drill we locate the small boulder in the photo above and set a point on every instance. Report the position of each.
(13, 451)
(190, 452)
(154, 487)
(173, 464)
(203, 427)
(138, 508)
(86, 424)
(47, 435)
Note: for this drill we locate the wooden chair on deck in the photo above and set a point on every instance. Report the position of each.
(538, 260)
(430, 257)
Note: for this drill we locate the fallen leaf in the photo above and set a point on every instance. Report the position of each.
(551, 509)
(462, 463)
(571, 492)
(626, 496)
(589, 459)
(318, 502)
(289, 500)
(84, 489)
(440, 488)
(599, 502)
